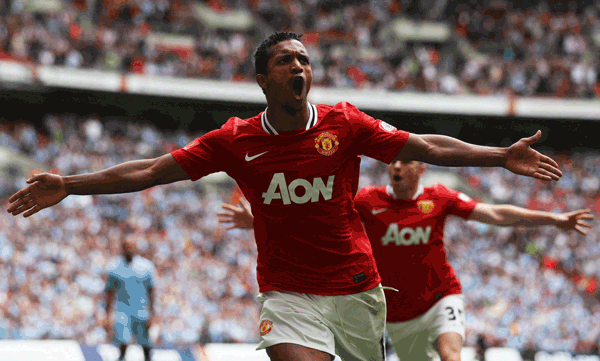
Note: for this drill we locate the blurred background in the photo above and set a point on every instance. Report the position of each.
(86, 84)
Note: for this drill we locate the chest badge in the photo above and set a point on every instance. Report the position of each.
(426, 206)
(326, 143)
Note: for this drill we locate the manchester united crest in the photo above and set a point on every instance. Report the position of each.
(326, 143)
(265, 327)
(191, 144)
(425, 206)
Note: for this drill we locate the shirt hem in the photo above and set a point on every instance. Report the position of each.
(421, 312)
(325, 290)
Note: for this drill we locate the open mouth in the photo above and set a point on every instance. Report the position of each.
(298, 87)
(397, 178)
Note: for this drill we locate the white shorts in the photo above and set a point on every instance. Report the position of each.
(351, 326)
(413, 340)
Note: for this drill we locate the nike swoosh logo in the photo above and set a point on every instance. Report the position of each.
(377, 211)
(254, 156)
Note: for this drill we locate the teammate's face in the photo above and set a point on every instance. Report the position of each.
(289, 75)
(405, 174)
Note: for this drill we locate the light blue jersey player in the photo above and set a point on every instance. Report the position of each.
(130, 277)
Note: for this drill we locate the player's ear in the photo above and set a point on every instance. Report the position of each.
(261, 79)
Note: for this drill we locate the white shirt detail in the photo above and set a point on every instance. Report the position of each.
(390, 191)
(463, 197)
(313, 118)
(254, 156)
(379, 210)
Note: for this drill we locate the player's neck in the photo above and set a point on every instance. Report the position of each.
(284, 118)
(406, 193)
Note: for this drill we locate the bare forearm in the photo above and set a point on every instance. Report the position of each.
(122, 178)
(448, 151)
(508, 215)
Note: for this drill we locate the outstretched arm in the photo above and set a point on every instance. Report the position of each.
(508, 215)
(519, 158)
(46, 190)
(241, 217)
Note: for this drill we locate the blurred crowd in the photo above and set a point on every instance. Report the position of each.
(523, 48)
(54, 262)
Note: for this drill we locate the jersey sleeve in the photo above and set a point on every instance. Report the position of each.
(374, 137)
(205, 155)
(460, 204)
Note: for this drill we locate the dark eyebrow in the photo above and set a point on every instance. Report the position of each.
(281, 54)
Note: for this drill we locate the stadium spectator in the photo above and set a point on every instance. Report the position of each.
(131, 279)
(525, 48)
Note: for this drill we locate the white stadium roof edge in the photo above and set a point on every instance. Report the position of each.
(217, 90)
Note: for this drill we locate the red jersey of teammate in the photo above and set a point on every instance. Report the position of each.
(301, 185)
(407, 240)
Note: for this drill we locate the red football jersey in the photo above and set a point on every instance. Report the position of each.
(407, 240)
(301, 185)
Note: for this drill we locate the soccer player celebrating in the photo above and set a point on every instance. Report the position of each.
(405, 224)
(130, 277)
(297, 163)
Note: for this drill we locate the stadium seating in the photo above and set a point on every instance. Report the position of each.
(451, 47)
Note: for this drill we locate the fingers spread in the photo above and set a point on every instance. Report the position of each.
(550, 161)
(584, 214)
(549, 164)
(36, 208)
(19, 194)
(245, 205)
(539, 176)
(543, 174)
(555, 174)
(581, 230)
(19, 210)
(20, 206)
(231, 207)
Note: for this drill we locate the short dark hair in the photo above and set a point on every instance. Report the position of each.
(262, 54)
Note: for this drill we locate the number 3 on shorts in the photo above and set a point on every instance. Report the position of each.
(453, 312)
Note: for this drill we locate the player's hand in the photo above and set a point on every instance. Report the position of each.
(576, 220)
(45, 190)
(524, 160)
(241, 217)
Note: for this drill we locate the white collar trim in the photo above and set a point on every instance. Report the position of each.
(313, 117)
(390, 191)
